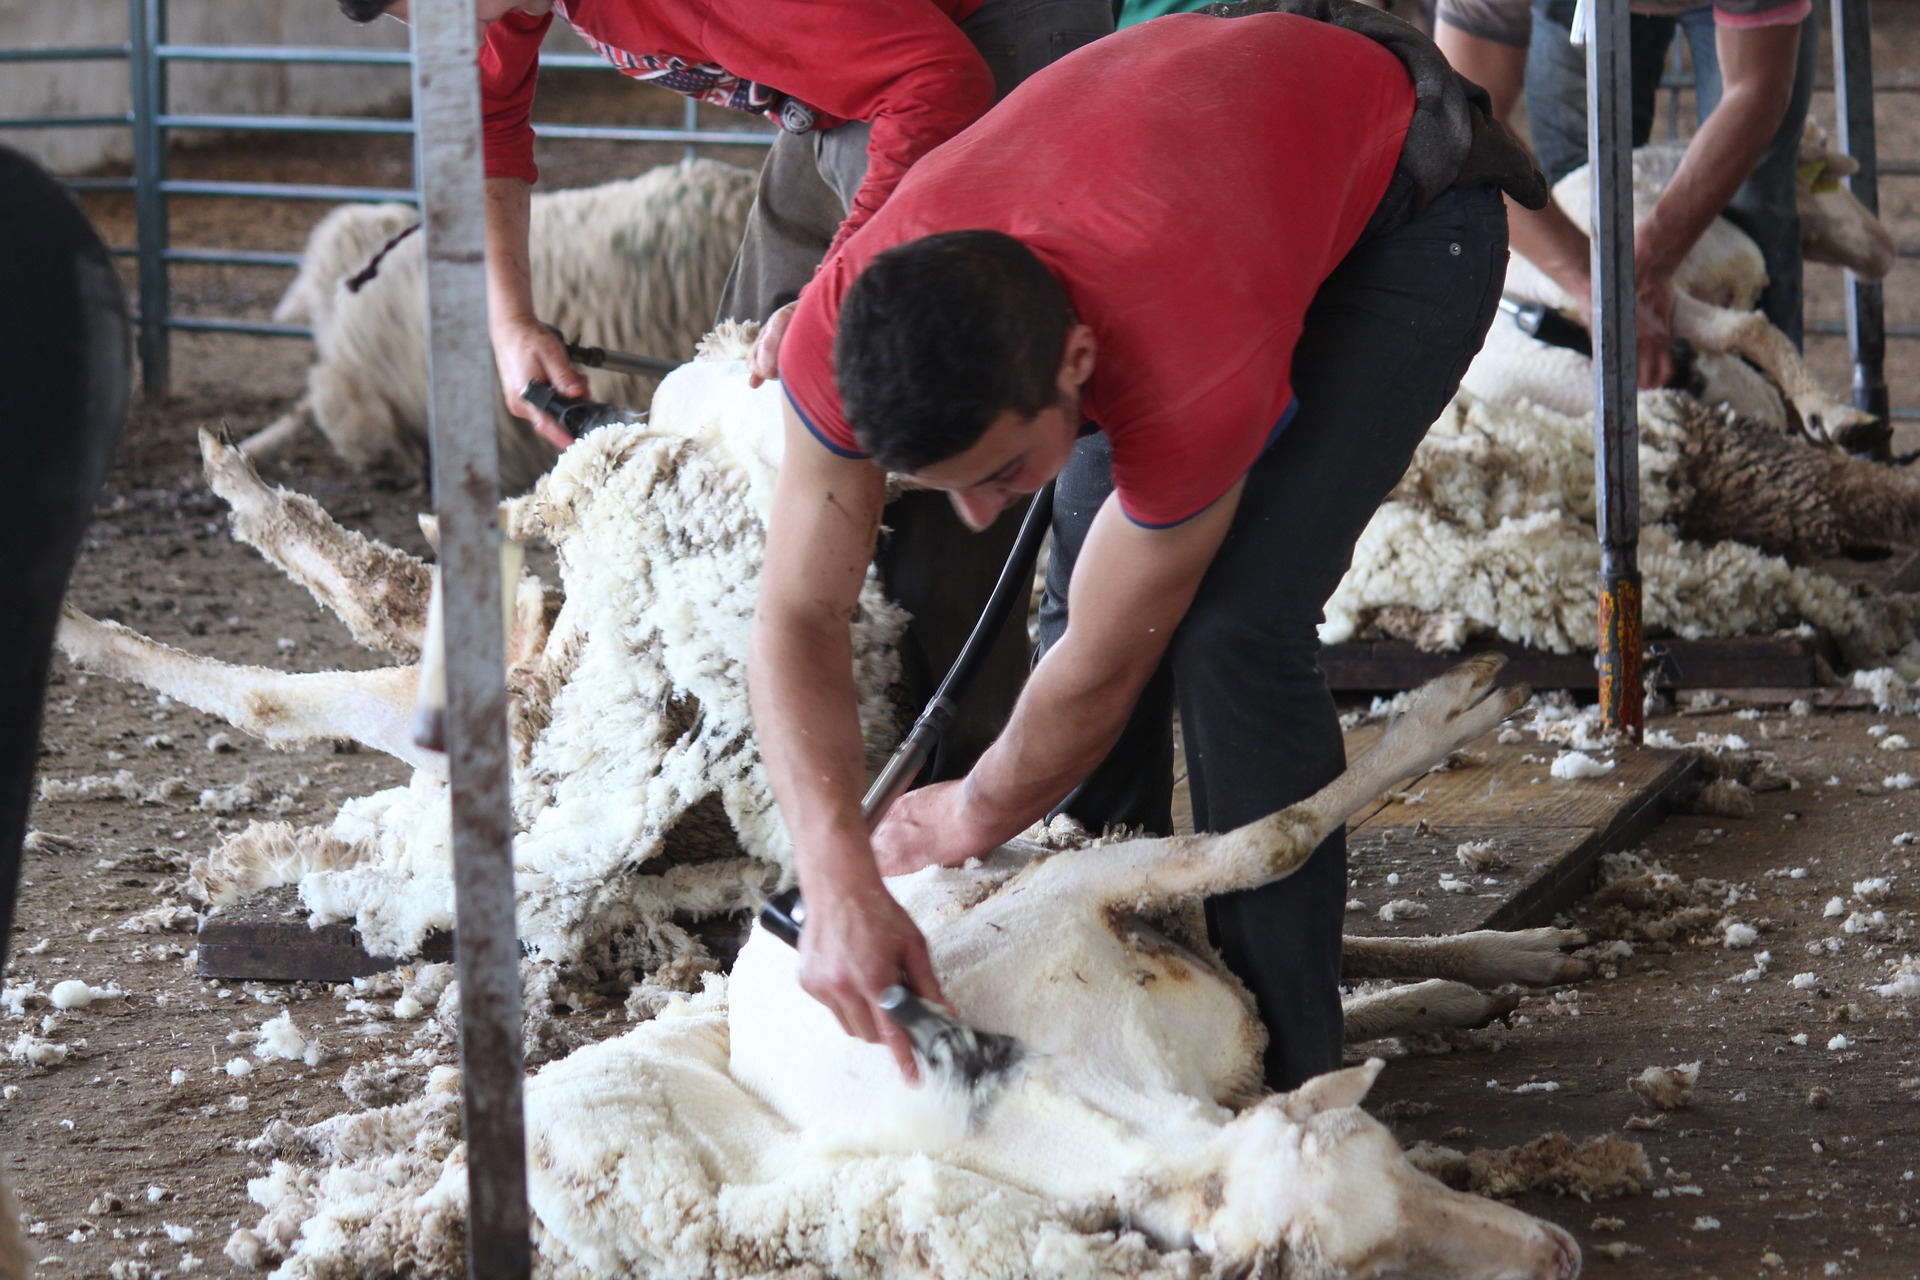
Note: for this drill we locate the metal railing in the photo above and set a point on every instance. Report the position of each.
(148, 54)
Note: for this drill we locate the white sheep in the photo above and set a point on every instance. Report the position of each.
(635, 265)
(1716, 288)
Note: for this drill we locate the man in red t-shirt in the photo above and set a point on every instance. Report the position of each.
(1224, 324)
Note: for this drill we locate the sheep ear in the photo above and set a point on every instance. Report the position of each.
(1332, 1091)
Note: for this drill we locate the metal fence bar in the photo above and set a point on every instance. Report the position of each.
(466, 494)
(1616, 420)
(66, 122)
(1866, 302)
(285, 124)
(68, 53)
(692, 137)
(147, 24)
(288, 191)
(258, 328)
(277, 53)
(235, 257)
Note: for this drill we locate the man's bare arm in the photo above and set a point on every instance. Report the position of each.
(820, 538)
(523, 349)
(1131, 588)
(1757, 67)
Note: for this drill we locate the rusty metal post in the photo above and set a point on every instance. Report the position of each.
(446, 104)
(1853, 94)
(1616, 421)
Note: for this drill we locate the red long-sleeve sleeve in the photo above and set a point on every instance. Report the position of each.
(902, 65)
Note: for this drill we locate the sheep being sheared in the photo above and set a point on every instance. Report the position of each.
(1124, 1115)
(746, 1135)
(1491, 531)
(1716, 288)
(635, 265)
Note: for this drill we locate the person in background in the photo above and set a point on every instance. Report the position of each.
(1754, 63)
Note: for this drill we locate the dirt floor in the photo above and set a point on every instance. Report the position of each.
(1797, 1156)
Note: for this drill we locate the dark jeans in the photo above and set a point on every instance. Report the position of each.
(1765, 206)
(1384, 345)
(63, 362)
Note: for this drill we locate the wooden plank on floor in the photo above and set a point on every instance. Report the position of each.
(1780, 661)
(1550, 832)
(265, 938)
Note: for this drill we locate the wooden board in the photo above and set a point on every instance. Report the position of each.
(1755, 662)
(265, 938)
(1551, 832)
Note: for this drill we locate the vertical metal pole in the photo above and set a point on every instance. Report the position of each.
(147, 28)
(691, 120)
(1853, 92)
(446, 104)
(1616, 422)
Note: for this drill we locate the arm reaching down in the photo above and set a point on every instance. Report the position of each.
(523, 348)
(1131, 588)
(820, 538)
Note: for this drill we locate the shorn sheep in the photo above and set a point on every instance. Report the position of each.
(635, 265)
(1717, 286)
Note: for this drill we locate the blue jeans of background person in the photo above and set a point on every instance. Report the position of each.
(1383, 348)
(64, 362)
(1764, 207)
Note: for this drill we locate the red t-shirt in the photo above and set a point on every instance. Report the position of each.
(1190, 182)
(902, 65)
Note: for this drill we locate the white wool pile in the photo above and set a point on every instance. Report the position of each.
(1903, 983)
(1491, 532)
(638, 791)
(1572, 765)
(647, 1158)
(1668, 1088)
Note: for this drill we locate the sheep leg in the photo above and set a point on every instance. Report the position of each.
(271, 441)
(286, 709)
(1484, 958)
(1434, 1005)
(1748, 334)
(1156, 874)
(380, 593)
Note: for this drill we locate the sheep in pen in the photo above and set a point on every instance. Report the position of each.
(634, 265)
(630, 683)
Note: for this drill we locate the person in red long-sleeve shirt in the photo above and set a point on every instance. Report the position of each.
(862, 87)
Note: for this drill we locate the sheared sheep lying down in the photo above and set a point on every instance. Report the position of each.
(1132, 1143)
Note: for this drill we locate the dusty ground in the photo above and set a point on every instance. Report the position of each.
(108, 1153)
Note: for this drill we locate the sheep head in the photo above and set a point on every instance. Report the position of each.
(1834, 226)
(1308, 1186)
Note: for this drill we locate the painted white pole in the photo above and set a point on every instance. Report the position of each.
(446, 103)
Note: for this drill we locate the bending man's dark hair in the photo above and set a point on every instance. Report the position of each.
(364, 10)
(939, 336)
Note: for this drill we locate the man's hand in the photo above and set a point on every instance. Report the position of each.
(857, 943)
(929, 828)
(1653, 329)
(523, 350)
(765, 364)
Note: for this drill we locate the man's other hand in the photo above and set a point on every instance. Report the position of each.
(765, 364)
